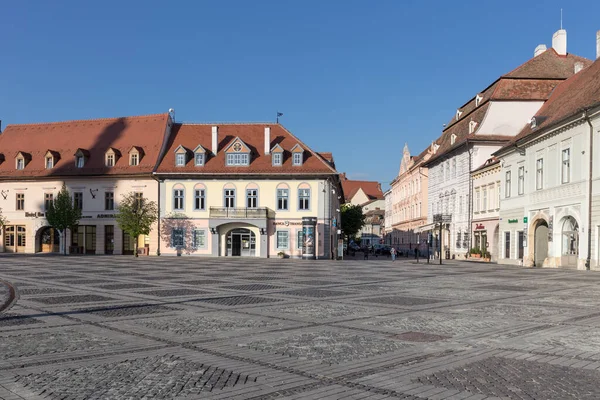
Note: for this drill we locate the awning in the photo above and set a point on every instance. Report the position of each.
(425, 228)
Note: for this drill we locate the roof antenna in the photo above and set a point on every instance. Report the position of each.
(561, 19)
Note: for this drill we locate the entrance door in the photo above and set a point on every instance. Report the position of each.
(128, 245)
(236, 245)
(49, 240)
(241, 242)
(541, 244)
(90, 239)
(109, 239)
(570, 243)
(21, 233)
(9, 239)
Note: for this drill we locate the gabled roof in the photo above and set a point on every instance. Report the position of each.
(569, 99)
(252, 134)
(199, 149)
(181, 149)
(245, 147)
(297, 149)
(277, 149)
(548, 65)
(94, 136)
(371, 189)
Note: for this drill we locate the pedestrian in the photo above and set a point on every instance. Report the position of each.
(393, 253)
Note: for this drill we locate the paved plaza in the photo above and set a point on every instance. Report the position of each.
(123, 328)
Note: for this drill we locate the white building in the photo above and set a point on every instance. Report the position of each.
(550, 207)
(482, 126)
(486, 207)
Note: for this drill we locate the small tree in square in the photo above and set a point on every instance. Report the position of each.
(136, 215)
(62, 215)
(353, 219)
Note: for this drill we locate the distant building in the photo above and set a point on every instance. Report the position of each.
(369, 196)
(486, 207)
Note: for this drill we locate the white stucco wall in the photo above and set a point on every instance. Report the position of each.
(508, 117)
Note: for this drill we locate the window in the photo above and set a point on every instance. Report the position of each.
(178, 199)
(48, 197)
(477, 201)
(230, 198)
(109, 201)
(521, 244)
(460, 205)
(453, 139)
(297, 159)
(282, 239)
(139, 198)
(78, 200)
(110, 160)
(300, 240)
(282, 199)
(566, 165)
(507, 185)
(177, 237)
(454, 168)
(252, 198)
(49, 162)
(521, 180)
(180, 160)
(458, 236)
(20, 201)
(79, 161)
(484, 204)
(472, 126)
(133, 159)
(234, 159)
(506, 244)
(304, 199)
(199, 159)
(276, 159)
(199, 239)
(539, 174)
(20, 163)
(199, 199)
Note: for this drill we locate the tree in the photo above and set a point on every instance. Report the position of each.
(62, 214)
(353, 219)
(136, 215)
(3, 220)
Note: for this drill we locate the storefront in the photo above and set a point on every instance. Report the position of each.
(485, 237)
(15, 238)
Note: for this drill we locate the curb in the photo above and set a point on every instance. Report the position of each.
(12, 296)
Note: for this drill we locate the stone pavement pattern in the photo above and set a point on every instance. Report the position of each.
(124, 328)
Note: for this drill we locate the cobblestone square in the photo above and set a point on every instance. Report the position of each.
(157, 327)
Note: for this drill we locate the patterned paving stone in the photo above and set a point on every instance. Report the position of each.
(36, 291)
(83, 298)
(419, 337)
(326, 346)
(250, 288)
(316, 293)
(320, 311)
(239, 300)
(55, 341)
(164, 377)
(507, 287)
(518, 379)
(263, 278)
(126, 310)
(523, 312)
(84, 281)
(173, 292)
(316, 282)
(123, 286)
(401, 300)
(201, 282)
(12, 319)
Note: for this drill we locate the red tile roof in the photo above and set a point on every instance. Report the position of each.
(568, 99)
(548, 65)
(371, 189)
(94, 137)
(252, 134)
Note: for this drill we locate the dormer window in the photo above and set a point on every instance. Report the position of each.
(81, 156)
(472, 126)
(135, 155)
(21, 160)
(458, 114)
(199, 156)
(237, 154)
(111, 156)
(51, 158)
(180, 160)
(110, 160)
(49, 162)
(478, 100)
(533, 123)
(453, 139)
(80, 161)
(297, 155)
(20, 163)
(277, 156)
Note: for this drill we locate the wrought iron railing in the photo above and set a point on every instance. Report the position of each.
(230, 212)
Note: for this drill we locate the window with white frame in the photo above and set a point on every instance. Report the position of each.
(566, 165)
(539, 174)
(78, 200)
(109, 201)
(199, 199)
(299, 240)
(507, 185)
(49, 162)
(283, 240)
(282, 199)
(134, 159)
(177, 237)
(229, 198)
(110, 160)
(199, 238)
(80, 161)
(179, 159)
(238, 159)
(199, 159)
(484, 204)
(454, 167)
(252, 198)
(460, 204)
(20, 163)
(521, 180)
(276, 159)
(178, 198)
(491, 204)
(297, 159)
(477, 200)
(304, 199)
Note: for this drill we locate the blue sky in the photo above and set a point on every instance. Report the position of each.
(357, 78)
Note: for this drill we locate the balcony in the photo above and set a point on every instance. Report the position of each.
(239, 213)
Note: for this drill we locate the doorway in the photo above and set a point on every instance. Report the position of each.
(570, 243)
(541, 243)
(128, 244)
(109, 239)
(49, 240)
(241, 243)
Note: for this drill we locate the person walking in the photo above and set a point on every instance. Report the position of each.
(393, 253)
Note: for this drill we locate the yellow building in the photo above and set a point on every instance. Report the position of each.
(246, 190)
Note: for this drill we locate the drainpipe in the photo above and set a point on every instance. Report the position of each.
(590, 185)
(158, 203)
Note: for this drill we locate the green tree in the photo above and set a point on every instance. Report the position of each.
(3, 220)
(353, 219)
(135, 216)
(62, 214)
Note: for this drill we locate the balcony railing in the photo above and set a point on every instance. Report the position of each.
(242, 213)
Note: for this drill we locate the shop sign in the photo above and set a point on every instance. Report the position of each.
(524, 220)
(513, 221)
(34, 214)
(479, 227)
(287, 223)
(106, 216)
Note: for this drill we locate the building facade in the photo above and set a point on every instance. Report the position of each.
(98, 161)
(246, 190)
(486, 207)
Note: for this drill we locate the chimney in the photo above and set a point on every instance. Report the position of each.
(215, 142)
(578, 66)
(597, 45)
(539, 50)
(267, 140)
(559, 42)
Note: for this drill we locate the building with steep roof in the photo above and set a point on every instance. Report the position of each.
(482, 126)
(98, 161)
(249, 189)
(370, 197)
(550, 205)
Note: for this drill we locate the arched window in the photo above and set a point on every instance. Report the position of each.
(178, 197)
(570, 237)
(283, 197)
(199, 197)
